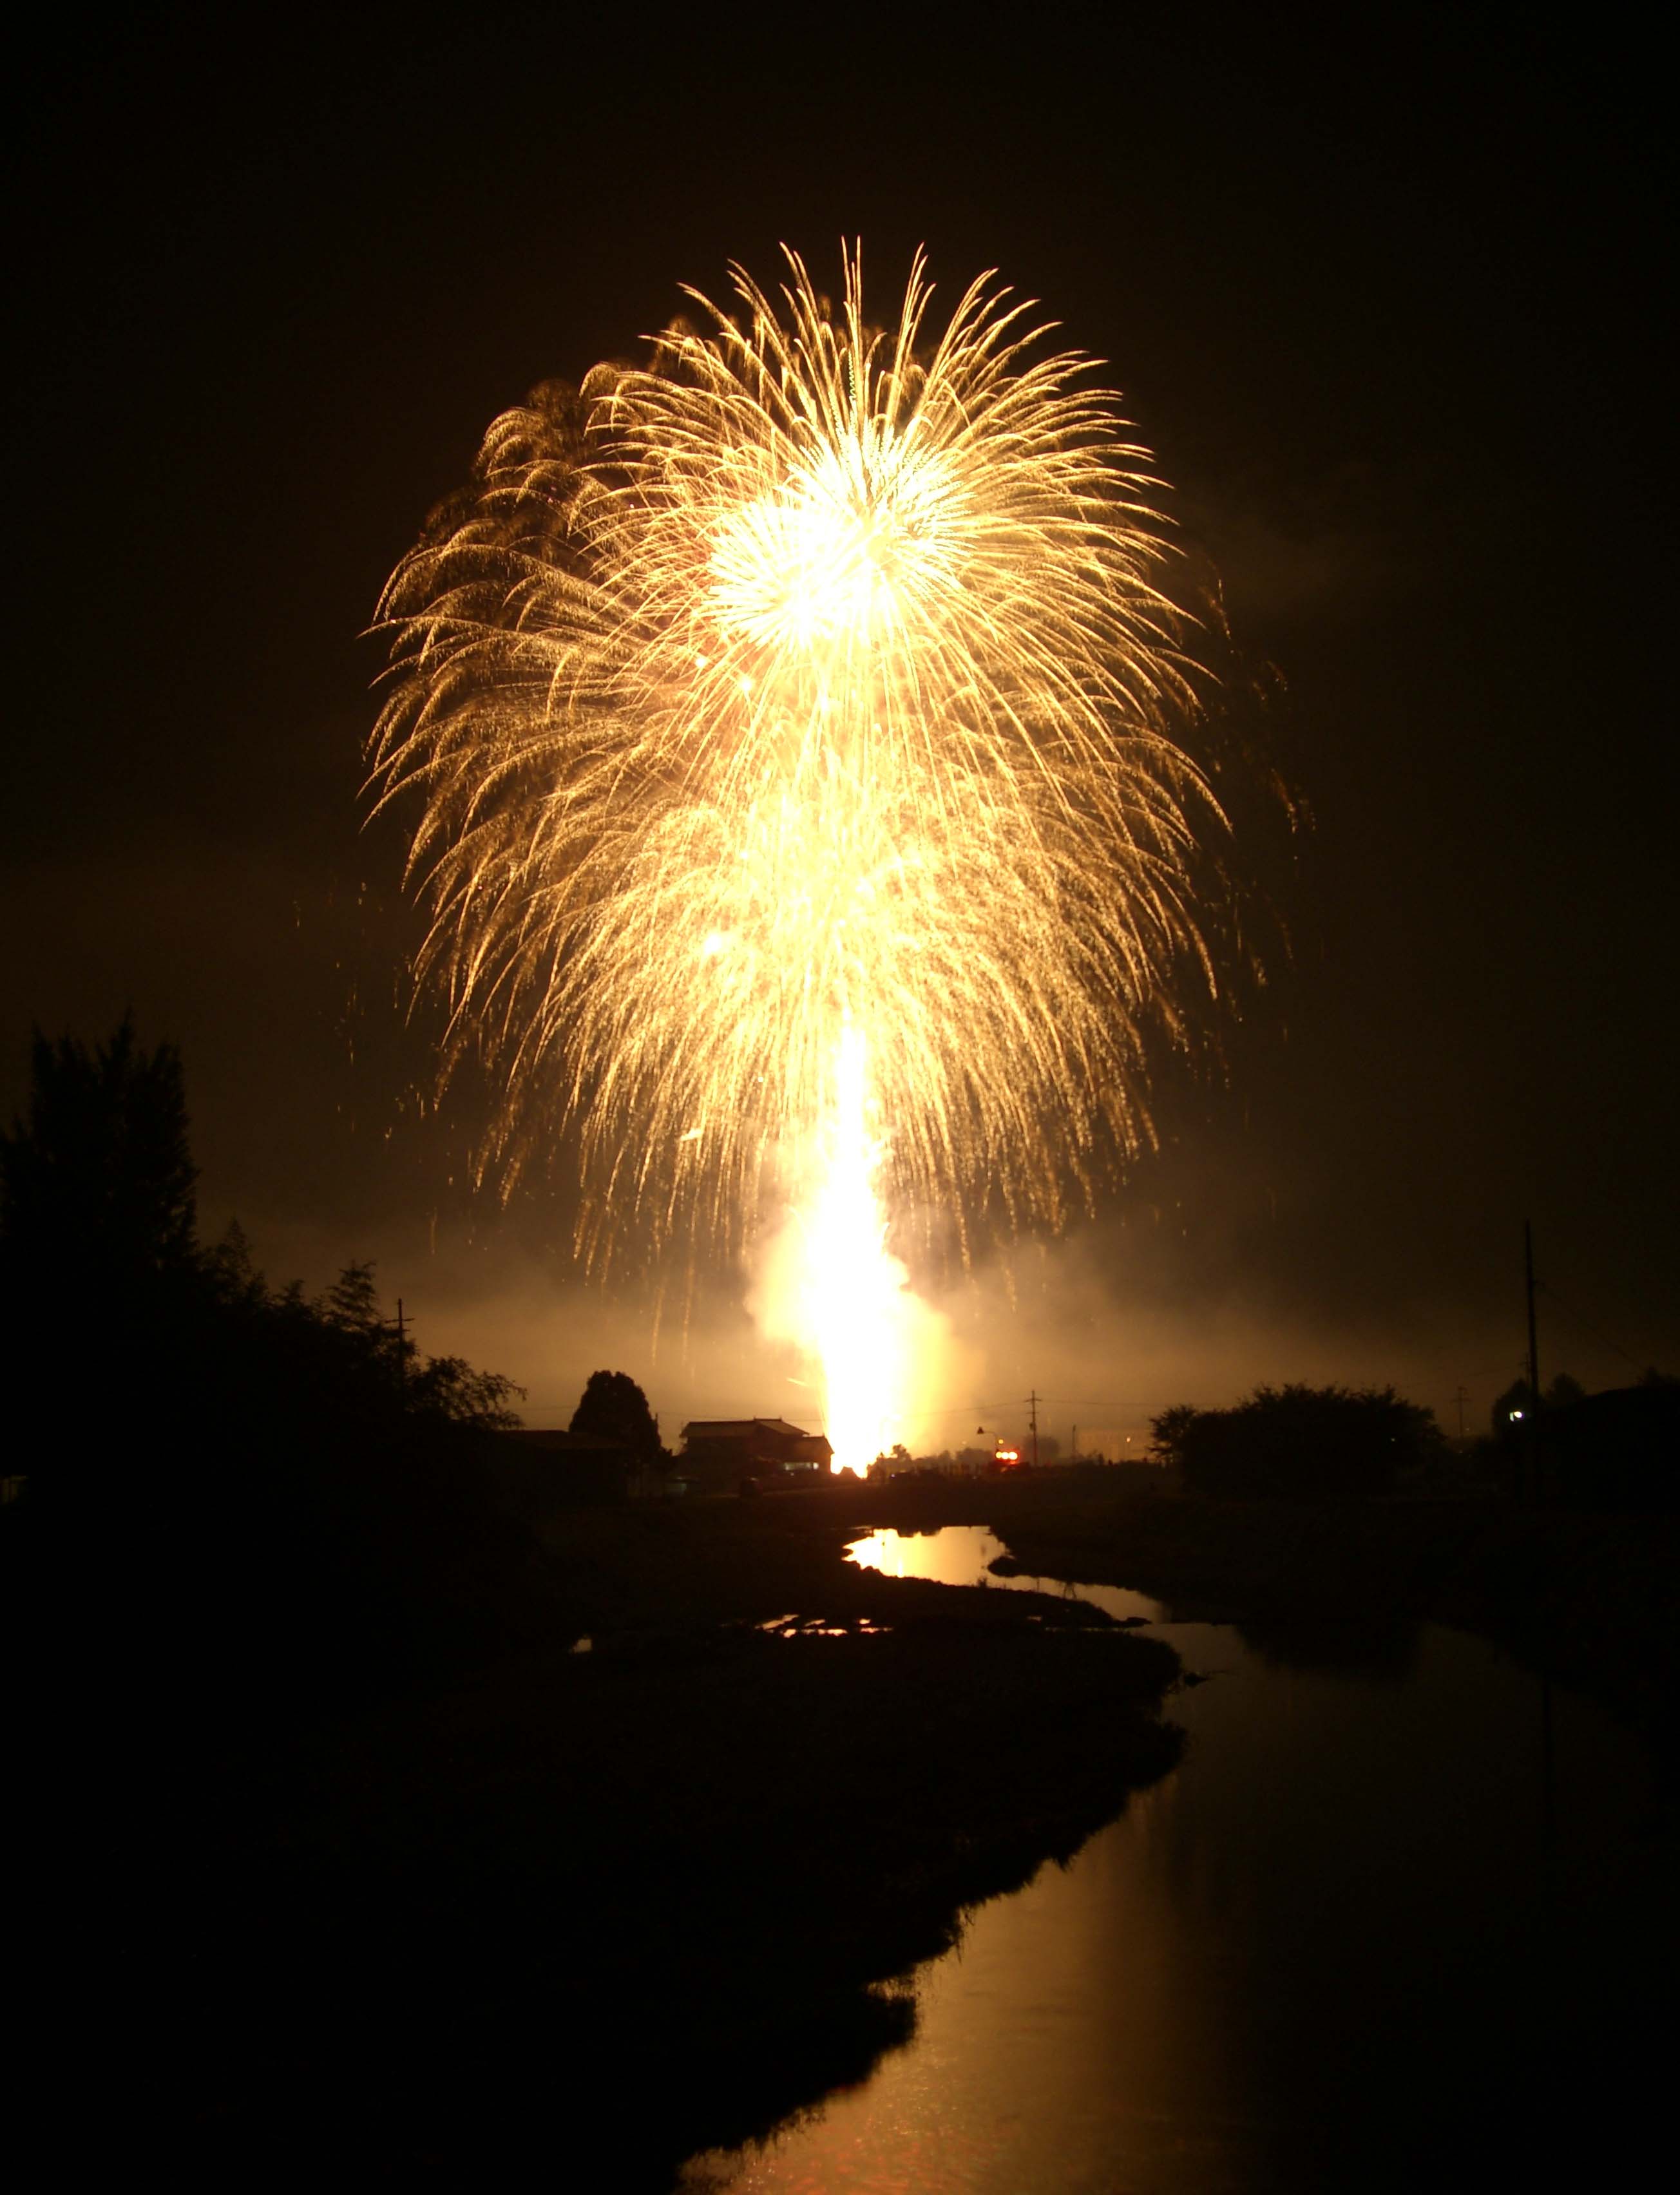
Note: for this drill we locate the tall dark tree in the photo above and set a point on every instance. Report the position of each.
(238, 1489)
(96, 1180)
(613, 1408)
(100, 1276)
(352, 1303)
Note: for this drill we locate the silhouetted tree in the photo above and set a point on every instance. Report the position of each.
(1168, 1432)
(613, 1408)
(352, 1303)
(1299, 1443)
(99, 1271)
(96, 1181)
(234, 1487)
(232, 1272)
(1516, 1405)
(463, 1396)
(1512, 1408)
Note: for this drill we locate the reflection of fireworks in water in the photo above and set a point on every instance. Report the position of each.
(792, 718)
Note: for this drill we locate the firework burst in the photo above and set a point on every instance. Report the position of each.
(794, 716)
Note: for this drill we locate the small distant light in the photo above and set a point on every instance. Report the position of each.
(1515, 1414)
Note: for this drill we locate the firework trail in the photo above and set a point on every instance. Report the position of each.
(793, 719)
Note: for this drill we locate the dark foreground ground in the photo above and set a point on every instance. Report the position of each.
(579, 1914)
(586, 1912)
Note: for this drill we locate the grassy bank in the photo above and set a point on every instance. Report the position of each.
(686, 1866)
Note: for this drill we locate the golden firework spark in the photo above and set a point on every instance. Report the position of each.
(794, 717)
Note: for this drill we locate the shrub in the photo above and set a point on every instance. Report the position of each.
(1298, 1443)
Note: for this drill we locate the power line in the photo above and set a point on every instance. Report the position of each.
(1587, 1327)
(1061, 1402)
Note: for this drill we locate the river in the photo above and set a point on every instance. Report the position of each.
(1399, 1918)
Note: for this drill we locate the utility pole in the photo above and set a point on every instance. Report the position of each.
(1032, 1407)
(1534, 1441)
(1461, 1399)
(1073, 1446)
(401, 1346)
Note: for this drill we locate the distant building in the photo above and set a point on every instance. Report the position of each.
(718, 1453)
(544, 1470)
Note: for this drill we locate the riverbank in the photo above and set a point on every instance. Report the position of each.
(1585, 1598)
(1399, 1919)
(591, 1911)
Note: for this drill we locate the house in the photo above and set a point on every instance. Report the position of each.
(718, 1453)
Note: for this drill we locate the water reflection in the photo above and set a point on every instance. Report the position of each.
(962, 1555)
(1380, 1647)
(1340, 1947)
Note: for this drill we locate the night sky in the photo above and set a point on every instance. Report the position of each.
(1387, 314)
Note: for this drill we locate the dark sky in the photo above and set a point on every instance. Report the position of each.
(1386, 310)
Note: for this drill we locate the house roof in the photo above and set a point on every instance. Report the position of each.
(734, 1429)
